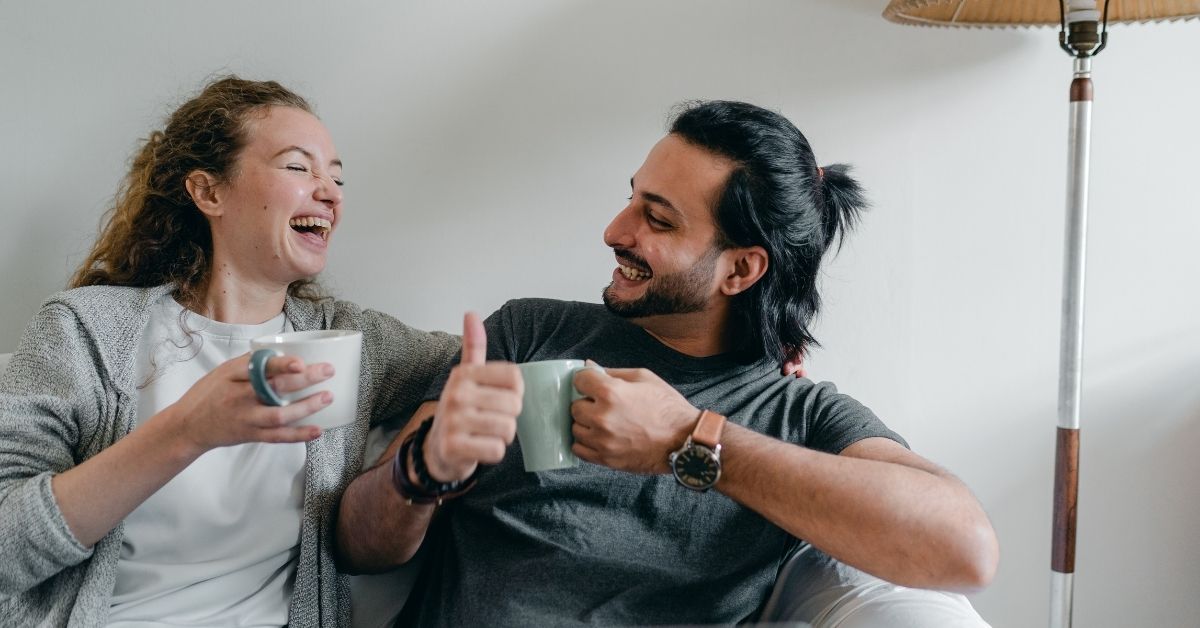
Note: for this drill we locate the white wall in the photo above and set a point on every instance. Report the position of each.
(488, 143)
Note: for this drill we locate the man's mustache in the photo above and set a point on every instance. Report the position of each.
(637, 260)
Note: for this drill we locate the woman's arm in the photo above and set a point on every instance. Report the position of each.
(400, 362)
(53, 508)
(219, 410)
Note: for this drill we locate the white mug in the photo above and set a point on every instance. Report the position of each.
(340, 348)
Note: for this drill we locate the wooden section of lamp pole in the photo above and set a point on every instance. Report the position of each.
(1081, 90)
(1066, 499)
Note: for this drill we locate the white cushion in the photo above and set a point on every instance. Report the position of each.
(817, 590)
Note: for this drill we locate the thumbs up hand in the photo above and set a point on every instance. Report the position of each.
(476, 416)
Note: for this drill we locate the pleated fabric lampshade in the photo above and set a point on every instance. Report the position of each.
(1029, 12)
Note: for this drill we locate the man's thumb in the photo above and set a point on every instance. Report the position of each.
(474, 347)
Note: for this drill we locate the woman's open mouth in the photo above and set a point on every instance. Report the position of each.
(311, 224)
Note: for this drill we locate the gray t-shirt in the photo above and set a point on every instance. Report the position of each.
(590, 545)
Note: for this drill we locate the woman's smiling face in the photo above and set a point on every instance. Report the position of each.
(273, 220)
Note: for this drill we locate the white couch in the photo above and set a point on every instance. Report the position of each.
(812, 589)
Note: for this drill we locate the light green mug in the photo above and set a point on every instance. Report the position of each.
(544, 425)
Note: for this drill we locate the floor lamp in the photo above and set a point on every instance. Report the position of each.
(1082, 34)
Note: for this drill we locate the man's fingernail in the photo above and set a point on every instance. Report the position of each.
(327, 371)
(327, 398)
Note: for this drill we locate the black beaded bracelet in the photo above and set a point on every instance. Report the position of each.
(403, 485)
(425, 490)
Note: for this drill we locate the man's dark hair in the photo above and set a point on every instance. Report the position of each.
(777, 198)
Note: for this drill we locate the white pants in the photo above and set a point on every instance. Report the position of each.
(815, 589)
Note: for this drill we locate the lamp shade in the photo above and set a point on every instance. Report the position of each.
(1001, 13)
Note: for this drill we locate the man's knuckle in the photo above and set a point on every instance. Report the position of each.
(459, 398)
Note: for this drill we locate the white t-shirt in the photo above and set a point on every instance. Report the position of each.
(217, 545)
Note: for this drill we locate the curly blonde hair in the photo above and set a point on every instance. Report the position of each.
(154, 234)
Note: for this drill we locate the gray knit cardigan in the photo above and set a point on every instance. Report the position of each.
(69, 393)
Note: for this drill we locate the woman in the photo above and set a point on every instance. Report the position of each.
(140, 479)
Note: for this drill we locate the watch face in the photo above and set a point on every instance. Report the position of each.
(697, 467)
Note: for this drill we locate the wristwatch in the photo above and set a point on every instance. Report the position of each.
(697, 465)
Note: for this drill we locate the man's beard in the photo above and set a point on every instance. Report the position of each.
(683, 292)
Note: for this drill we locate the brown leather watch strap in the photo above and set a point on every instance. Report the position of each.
(708, 429)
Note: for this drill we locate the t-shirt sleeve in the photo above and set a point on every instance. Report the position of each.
(837, 421)
(501, 345)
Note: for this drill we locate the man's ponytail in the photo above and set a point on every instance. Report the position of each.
(842, 202)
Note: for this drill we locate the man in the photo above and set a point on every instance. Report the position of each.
(717, 253)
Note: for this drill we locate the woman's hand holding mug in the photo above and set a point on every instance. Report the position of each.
(222, 408)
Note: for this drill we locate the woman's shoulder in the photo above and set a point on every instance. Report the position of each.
(322, 313)
(101, 323)
(330, 313)
(106, 300)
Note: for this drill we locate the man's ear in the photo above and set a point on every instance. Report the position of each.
(204, 190)
(746, 266)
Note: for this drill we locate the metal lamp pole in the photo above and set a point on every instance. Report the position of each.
(1080, 37)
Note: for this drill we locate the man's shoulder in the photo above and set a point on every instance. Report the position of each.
(543, 329)
(540, 312)
(535, 305)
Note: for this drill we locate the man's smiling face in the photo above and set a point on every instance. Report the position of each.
(665, 238)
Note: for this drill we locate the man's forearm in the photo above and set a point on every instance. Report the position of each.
(376, 529)
(877, 507)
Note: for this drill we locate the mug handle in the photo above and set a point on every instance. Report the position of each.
(258, 378)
